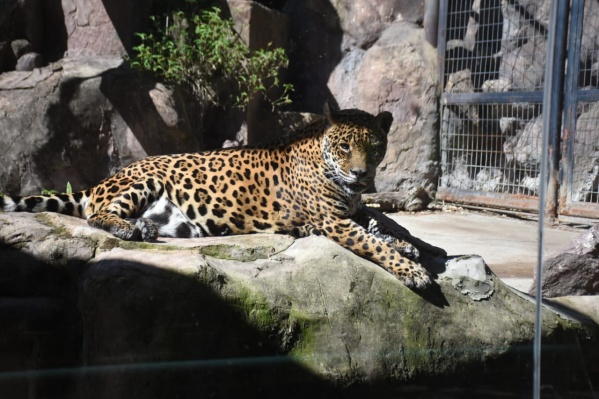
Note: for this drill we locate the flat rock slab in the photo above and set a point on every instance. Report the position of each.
(269, 315)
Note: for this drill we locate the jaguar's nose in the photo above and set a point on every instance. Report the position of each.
(358, 173)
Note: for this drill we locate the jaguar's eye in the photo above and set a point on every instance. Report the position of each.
(344, 147)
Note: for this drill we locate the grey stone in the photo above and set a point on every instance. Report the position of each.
(261, 27)
(103, 28)
(363, 21)
(586, 243)
(587, 305)
(60, 120)
(413, 200)
(586, 168)
(408, 90)
(306, 316)
(37, 333)
(7, 58)
(316, 35)
(29, 61)
(575, 271)
(470, 275)
(24, 79)
(569, 274)
(33, 22)
(20, 47)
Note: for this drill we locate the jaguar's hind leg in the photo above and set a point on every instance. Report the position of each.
(117, 216)
(126, 229)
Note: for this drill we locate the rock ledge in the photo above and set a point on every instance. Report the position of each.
(301, 316)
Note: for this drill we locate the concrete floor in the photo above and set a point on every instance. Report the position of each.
(508, 245)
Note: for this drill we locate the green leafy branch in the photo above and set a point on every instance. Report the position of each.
(203, 50)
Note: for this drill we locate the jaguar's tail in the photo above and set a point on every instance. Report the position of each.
(68, 204)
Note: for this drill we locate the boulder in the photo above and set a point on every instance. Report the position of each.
(315, 37)
(363, 21)
(33, 22)
(575, 271)
(261, 27)
(20, 47)
(264, 315)
(586, 167)
(59, 120)
(103, 28)
(29, 61)
(415, 199)
(365, 80)
(7, 58)
(322, 32)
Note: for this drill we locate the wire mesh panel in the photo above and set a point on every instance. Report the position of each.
(493, 59)
(580, 191)
(497, 152)
(500, 45)
(493, 71)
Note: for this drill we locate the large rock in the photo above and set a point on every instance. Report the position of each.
(363, 21)
(365, 80)
(263, 315)
(103, 28)
(58, 28)
(261, 27)
(81, 120)
(586, 167)
(323, 32)
(315, 38)
(575, 271)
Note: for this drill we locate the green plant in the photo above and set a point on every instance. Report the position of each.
(200, 52)
(68, 190)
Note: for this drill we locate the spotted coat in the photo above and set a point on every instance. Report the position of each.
(307, 183)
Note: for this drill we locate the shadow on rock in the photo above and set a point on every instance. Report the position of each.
(134, 331)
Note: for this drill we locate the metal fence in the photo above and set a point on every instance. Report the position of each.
(493, 55)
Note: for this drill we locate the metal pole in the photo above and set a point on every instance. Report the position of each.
(550, 101)
(431, 21)
(558, 59)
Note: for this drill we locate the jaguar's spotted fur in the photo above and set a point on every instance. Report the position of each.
(308, 183)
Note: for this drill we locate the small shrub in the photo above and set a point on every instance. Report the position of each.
(200, 51)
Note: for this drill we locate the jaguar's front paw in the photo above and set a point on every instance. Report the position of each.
(413, 276)
(407, 249)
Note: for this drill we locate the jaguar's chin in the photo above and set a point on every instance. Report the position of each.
(357, 187)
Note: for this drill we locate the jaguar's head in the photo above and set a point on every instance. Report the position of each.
(353, 145)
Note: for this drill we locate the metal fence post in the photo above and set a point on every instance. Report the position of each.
(556, 55)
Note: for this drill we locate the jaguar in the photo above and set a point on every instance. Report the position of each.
(308, 182)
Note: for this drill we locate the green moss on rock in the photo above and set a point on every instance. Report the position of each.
(58, 230)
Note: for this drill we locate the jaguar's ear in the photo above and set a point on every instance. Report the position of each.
(329, 112)
(384, 121)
